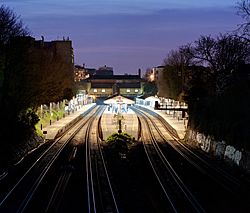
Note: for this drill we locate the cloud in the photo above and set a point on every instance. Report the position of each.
(104, 7)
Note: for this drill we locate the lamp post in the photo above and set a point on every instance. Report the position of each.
(119, 119)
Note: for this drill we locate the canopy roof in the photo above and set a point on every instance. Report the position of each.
(152, 98)
(119, 100)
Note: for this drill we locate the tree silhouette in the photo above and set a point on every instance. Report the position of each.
(10, 25)
(223, 54)
(34, 75)
(175, 72)
(244, 11)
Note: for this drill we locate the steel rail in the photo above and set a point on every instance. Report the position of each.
(147, 151)
(89, 172)
(221, 175)
(156, 174)
(64, 178)
(104, 166)
(44, 172)
(51, 156)
(94, 153)
(182, 186)
(60, 187)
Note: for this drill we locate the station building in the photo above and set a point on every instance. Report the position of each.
(104, 84)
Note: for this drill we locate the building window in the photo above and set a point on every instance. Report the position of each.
(103, 90)
(136, 90)
(95, 90)
(128, 90)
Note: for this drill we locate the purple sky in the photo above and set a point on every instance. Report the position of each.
(125, 34)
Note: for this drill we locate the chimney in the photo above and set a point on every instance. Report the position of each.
(139, 72)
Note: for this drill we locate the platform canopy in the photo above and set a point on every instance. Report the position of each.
(152, 98)
(119, 100)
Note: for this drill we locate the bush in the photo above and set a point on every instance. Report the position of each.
(120, 141)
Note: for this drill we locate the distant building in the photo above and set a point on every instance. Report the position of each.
(80, 73)
(156, 73)
(59, 50)
(104, 71)
(49, 63)
(103, 86)
(62, 48)
(91, 71)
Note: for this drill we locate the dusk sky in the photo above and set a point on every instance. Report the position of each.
(125, 34)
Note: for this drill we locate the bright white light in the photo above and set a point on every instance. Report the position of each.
(152, 77)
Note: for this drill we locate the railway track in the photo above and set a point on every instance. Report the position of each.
(225, 179)
(20, 195)
(101, 197)
(214, 178)
(72, 174)
(44, 184)
(179, 197)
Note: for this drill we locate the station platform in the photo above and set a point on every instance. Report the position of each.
(109, 123)
(53, 130)
(179, 124)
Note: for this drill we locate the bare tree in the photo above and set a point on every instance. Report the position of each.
(243, 7)
(203, 51)
(223, 54)
(176, 65)
(178, 58)
(10, 25)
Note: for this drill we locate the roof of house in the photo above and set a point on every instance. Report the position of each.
(119, 85)
(116, 77)
(118, 99)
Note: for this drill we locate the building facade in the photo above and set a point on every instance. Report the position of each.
(103, 86)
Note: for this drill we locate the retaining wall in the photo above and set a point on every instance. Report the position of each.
(219, 149)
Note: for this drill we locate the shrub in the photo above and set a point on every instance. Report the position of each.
(120, 141)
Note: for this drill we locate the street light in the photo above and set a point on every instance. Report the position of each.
(152, 77)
